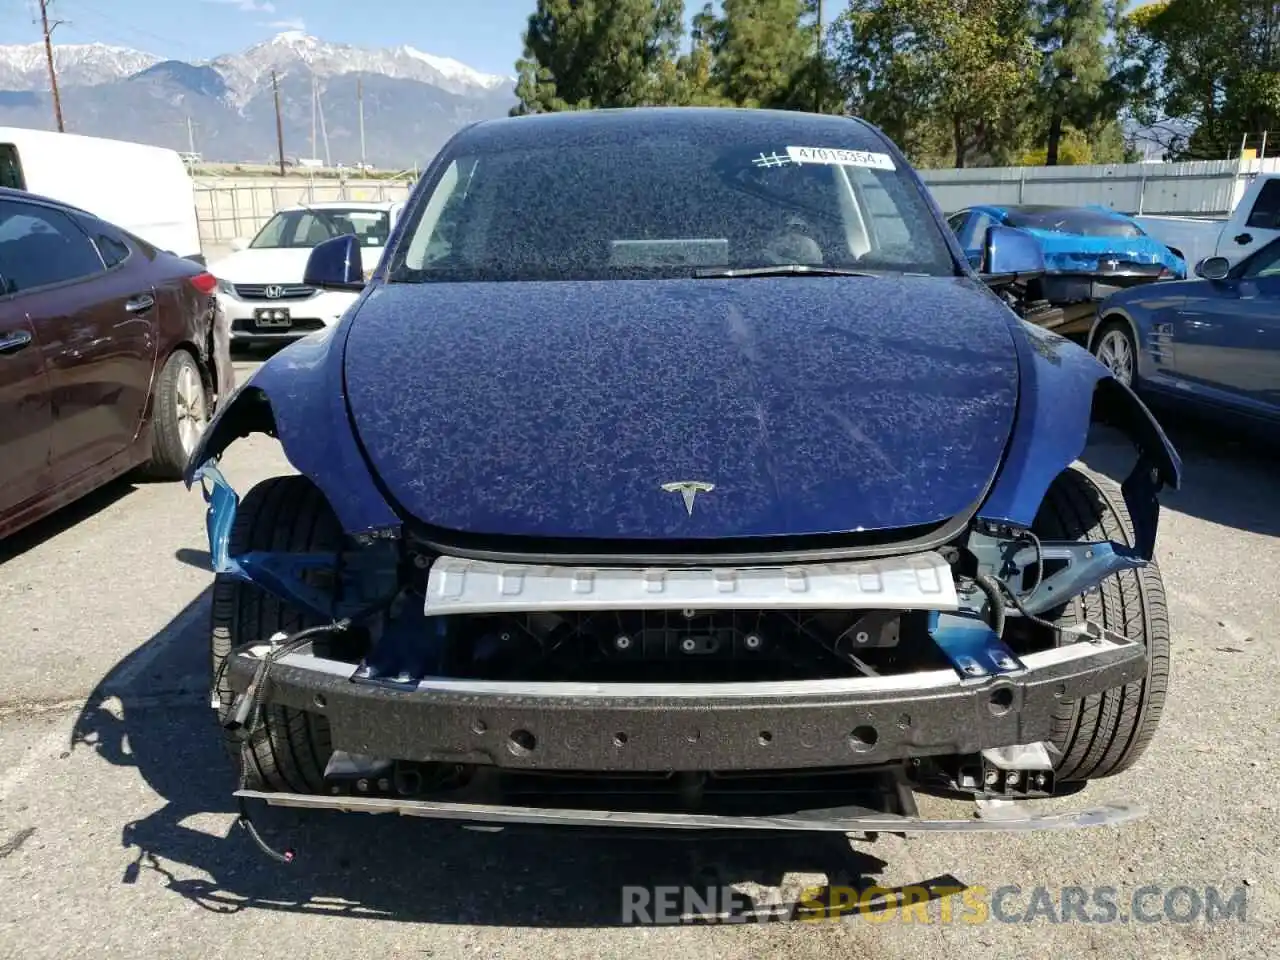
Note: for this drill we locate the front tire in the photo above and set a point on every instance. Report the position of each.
(289, 748)
(180, 413)
(1116, 350)
(1105, 734)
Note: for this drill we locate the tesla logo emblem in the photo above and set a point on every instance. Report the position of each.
(274, 292)
(1111, 264)
(688, 489)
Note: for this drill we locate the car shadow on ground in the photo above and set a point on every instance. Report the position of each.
(67, 517)
(199, 559)
(151, 713)
(1228, 477)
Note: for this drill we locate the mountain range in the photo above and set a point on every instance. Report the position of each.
(413, 101)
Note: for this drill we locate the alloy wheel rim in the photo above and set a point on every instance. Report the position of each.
(1117, 356)
(191, 412)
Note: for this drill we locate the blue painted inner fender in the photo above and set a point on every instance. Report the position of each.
(812, 405)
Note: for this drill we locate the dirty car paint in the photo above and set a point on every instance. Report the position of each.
(812, 405)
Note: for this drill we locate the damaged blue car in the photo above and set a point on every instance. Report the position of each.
(676, 469)
(1090, 253)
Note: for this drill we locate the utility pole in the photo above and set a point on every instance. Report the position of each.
(275, 91)
(324, 131)
(360, 101)
(191, 136)
(819, 77)
(314, 103)
(48, 52)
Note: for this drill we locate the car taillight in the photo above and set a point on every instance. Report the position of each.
(206, 283)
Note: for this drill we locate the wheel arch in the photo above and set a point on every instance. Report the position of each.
(1063, 392)
(297, 397)
(157, 368)
(1114, 315)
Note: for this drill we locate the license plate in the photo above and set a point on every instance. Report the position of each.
(275, 317)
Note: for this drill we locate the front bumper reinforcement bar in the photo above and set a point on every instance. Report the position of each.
(657, 727)
(841, 820)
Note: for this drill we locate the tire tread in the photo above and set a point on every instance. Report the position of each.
(290, 748)
(1105, 734)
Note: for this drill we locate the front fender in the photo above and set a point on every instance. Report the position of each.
(1062, 391)
(297, 396)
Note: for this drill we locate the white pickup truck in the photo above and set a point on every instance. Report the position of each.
(1253, 224)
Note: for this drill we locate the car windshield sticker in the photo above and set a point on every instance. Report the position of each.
(831, 156)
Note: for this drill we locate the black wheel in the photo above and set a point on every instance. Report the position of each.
(1115, 347)
(180, 412)
(289, 748)
(1105, 734)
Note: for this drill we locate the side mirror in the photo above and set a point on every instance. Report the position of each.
(335, 265)
(1213, 268)
(1009, 255)
(238, 244)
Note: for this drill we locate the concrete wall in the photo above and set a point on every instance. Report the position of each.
(230, 207)
(1190, 189)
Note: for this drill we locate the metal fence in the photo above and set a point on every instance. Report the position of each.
(232, 207)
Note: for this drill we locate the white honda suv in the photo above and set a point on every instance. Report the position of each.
(260, 286)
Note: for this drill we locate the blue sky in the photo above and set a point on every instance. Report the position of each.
(484, 34)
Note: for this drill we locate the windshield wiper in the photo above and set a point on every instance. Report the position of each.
(780, 270)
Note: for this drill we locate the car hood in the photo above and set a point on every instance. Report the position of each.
(274, 266)
(804, 405)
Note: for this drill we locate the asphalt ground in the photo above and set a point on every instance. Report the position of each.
(117, 834)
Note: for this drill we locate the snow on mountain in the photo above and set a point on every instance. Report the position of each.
(412, 101)
(23, 66)
(454, 70)
(248, 73)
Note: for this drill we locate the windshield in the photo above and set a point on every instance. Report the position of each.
(1084, 223)
(653, 202)
(306, 228)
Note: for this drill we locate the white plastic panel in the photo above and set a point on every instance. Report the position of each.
(917, 582)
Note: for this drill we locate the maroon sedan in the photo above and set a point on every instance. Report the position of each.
(112, 356)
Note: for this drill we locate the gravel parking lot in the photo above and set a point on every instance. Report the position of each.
(117, 833)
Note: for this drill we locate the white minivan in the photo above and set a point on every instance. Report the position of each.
(143, 189)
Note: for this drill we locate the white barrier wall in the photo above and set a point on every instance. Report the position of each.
(1190, 189)
(230, 207)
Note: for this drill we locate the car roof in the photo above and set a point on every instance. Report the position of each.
(530, 128)
(10, 193)
(342, 205)
(1064, 208)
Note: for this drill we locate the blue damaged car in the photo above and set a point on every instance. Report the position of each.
(675, 468)
(1090, 253)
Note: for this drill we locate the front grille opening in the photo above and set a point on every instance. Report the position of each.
(688, 646)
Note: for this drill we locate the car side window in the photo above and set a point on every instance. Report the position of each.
(111, 246)
(1266, 263)
(957, 220)
(11, 168)
(41, 246)
(1265, 214)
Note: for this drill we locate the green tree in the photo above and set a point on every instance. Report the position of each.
(761, 51)
(1202, 74)
(934, 72)
(1074, 71)
(580, 54)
